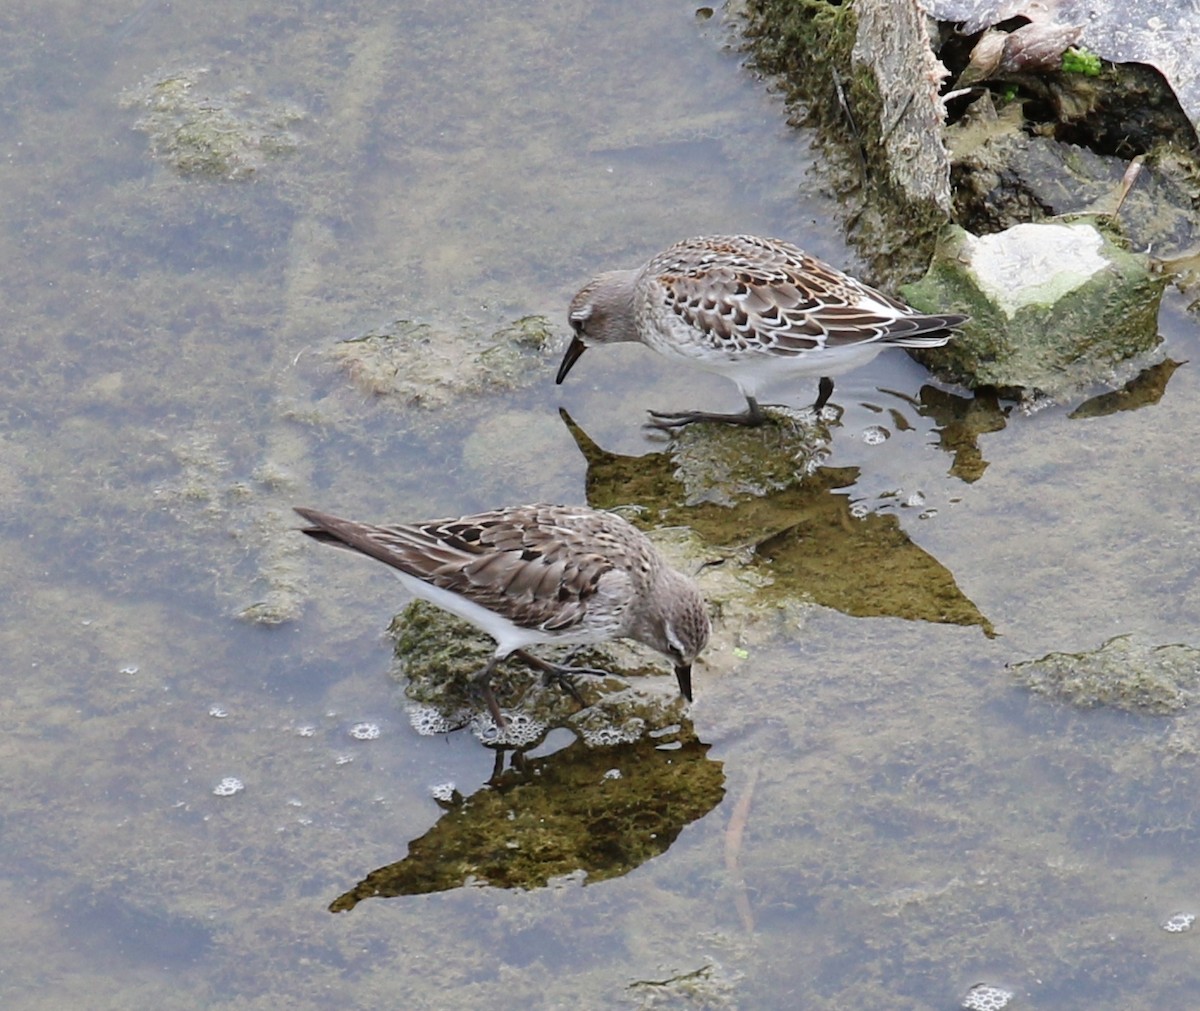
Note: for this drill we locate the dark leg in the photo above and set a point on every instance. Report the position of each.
(561, 674)
(752, 417)
(824, 392)
(481, 681)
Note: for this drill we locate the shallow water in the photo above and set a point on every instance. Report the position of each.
(900, 819)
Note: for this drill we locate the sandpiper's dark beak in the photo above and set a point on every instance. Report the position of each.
(576, 348)
(683, 675)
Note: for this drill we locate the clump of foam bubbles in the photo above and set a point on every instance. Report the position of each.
(429, 721)
(874, 435)
(985, 997)
(444, 792)
(1179, 923)
(521, 731)
(617, 733)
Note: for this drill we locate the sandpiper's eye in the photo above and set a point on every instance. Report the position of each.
(577, 325)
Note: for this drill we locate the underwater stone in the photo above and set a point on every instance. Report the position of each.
(1122, 673)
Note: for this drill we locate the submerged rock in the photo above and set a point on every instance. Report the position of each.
(1122, 673)
(1054, 307)
(419, 365)
(199, 133)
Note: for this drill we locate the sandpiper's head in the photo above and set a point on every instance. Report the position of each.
(601, 313)
(679, 627)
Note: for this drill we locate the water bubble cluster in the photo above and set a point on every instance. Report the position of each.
(428, 721)
(217, 712)
(308, 730)
(985, 997)
(365, 731)
(443, 791)
(1178, 923)
(873, 435)
(607, 736)
(229, 786)
(522, 730)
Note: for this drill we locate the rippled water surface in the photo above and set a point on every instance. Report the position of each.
(202, 749)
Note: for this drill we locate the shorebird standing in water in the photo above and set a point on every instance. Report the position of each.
(755, 310)
(538, 574)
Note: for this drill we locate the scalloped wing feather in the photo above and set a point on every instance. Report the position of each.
(536, 566)
(749, 294)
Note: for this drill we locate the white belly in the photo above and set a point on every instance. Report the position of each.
(508, 635)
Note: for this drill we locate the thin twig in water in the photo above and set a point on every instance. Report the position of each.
(733, 850)
(1127, 181)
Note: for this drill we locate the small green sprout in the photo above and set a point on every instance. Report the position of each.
(1081, 61)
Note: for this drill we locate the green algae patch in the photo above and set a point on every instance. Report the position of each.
(214, 136)
(1121, 674)
(415, 364)
(797, 39)
(592, 813)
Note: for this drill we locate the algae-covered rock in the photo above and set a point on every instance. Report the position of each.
(723, 465)
(597, 813)
(1053, 306)
(1122, 673)
(420, 365)
(865, 76)
(708, 474)
(199, 133)
(437, 655)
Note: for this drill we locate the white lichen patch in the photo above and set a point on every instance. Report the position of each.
(1035, 264)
